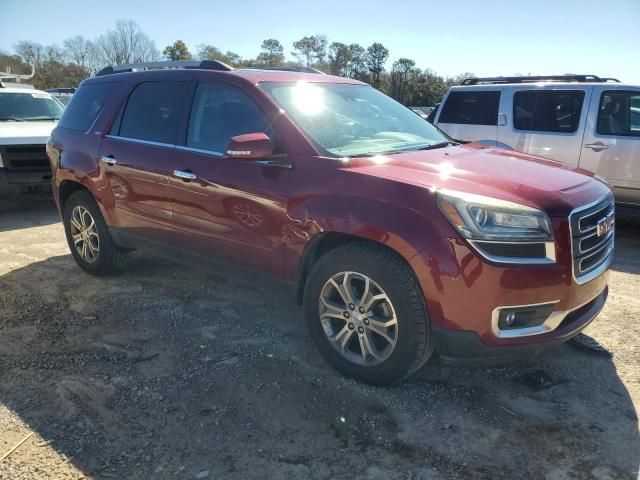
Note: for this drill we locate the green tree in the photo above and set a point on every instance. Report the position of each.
(402, 79)
(272, 53)
(311, 51)
(209, 52)
(339, 58)
(377, 56)
(357, 67)
(177, 51)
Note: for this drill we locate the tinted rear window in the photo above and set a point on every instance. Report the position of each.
(85, 105)
(471, 108)
(619, 113)
(153, 112)
(541, 111)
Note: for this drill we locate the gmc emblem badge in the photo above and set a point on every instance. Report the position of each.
(604, 225)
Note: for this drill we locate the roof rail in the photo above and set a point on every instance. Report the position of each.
(134, 67)
(539, 78)
(288, 69)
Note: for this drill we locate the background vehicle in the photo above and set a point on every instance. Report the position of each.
(396, 240)
(27, 117)
(422, 111)
(63, 95)
(580, 120)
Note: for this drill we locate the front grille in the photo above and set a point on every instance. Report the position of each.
(25, 157)
(592, 250)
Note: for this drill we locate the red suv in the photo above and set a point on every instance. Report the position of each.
(397, 240)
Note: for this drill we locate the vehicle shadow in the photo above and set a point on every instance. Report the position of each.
(166, 372)
(627, 246)
(27, 211)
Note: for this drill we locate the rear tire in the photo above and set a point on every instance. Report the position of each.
(88, 236)
(377, 343)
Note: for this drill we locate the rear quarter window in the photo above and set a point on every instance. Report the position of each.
(547, 111)
(85, 106)
(471, 108)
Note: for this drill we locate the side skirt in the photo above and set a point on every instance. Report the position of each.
(204, 263)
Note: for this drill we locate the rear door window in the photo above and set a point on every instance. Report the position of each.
(152, 113)
(220, 112)
(619, 113)
(547, 111)
(85, 106)
(471, 108)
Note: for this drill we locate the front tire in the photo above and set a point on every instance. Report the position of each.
(366, 313)
(90, 242)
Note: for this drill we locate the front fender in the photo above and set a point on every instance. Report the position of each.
(405, 230)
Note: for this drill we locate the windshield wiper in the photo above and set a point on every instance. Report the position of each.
(433, 146)
(40, 119)
(11, 119)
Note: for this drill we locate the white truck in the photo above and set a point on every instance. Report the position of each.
(581, 120)
(27, 117)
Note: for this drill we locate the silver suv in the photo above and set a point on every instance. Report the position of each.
(581, 120)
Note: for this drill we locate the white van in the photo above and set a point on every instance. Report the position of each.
(581, 120)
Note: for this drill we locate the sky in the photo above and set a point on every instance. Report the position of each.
(487, 38)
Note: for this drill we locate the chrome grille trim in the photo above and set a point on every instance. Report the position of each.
(598, 255)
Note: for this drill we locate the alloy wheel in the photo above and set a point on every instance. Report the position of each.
(84, 233)
(358, 318)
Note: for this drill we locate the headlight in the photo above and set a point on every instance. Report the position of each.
(489, 219)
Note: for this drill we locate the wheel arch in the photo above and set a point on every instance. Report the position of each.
(327, 241)
(68, 188)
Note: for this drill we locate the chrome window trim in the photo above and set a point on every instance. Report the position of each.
(199, 150)
(548, 259)
(552, 322)
(137, 140)
(604, 266)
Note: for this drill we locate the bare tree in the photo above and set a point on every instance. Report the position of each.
(32, 52)
(78, 50)
(127, 43)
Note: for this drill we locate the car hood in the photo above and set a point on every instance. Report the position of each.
(526, 179)
(18, 133)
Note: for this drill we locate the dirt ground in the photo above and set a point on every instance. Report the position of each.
(165, 372)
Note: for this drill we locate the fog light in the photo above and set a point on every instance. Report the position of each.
(524, 317)
(510, 318)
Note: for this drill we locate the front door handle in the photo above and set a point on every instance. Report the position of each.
(109, 159)
(597, 146)
(185, 175)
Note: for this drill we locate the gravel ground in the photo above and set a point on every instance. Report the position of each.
(166, 372)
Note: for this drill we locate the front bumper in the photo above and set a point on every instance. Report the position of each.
(13, 182)
(464, 347)
(465, 294)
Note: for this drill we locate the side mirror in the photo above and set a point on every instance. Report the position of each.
(250, 146)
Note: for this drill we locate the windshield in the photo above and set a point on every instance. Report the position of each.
(28, 106)
(346, 120)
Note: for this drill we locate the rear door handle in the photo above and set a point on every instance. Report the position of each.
(185, 175)
(596, 147)
(109, 159)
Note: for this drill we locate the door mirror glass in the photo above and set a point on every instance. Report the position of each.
(250, 146)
